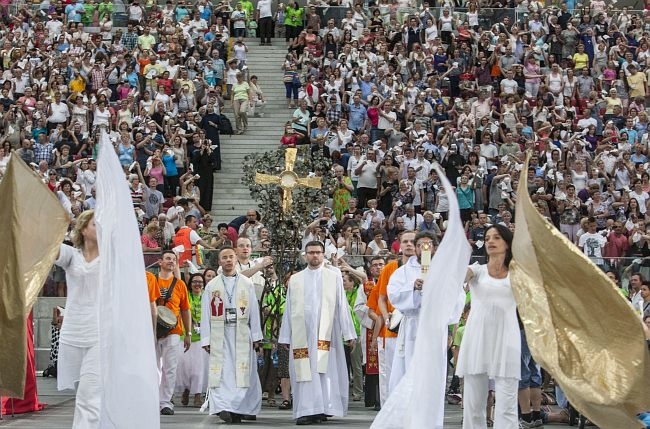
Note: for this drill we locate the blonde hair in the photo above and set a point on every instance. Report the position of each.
(82, 222)
(151, 227)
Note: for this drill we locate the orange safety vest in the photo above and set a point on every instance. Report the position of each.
(182, 237)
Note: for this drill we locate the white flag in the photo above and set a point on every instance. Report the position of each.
(418, 400)
(129, 374)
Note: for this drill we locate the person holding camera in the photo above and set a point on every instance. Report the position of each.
(204, 166)
(251, 228)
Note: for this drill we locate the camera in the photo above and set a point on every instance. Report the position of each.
(323, 223)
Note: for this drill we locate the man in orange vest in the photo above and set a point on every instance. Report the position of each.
(378, 302)
(189, 239)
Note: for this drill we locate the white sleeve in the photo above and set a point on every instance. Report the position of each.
(254, 318)
(205, 316)
(194, 237)
(361, 309)
(344, 319)
(284, 336)
(402, 295)
(66, 254)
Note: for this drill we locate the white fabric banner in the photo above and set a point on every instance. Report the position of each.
(128, 369)
(418, 400)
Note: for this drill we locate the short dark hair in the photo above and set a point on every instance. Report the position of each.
(426, 234)
(168, 251)
(189, 219)
(226, 247)
(315, 243)
(377, 258)
(640, 276)
(222, 225)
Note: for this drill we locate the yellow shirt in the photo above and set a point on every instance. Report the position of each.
(580, 60)
(146, 42)
(637, 84)
(611, 102)
(78, 85)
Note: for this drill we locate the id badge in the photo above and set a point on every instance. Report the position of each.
(231, 316)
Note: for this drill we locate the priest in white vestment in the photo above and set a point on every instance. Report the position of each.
(405, 293)
(316, 320)
(231, 326)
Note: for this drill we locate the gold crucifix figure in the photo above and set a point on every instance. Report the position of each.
(288, 179)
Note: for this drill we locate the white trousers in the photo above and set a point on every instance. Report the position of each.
(475, 395)
(88, 399)
(258, 107)
(167, 353)
(386, 353)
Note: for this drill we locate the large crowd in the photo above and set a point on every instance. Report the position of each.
(385, 90)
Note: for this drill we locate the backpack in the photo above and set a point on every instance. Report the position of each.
(225, 126)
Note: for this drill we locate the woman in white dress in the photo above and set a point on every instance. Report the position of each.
(491, 347)
(78, 342)
(192, 372)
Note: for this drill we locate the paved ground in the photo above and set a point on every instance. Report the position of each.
(58, 415)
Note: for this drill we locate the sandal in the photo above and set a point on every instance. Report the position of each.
(490, 423)
(271, 402)
(285, 405)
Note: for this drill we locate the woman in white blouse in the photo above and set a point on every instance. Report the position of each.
(78, 342)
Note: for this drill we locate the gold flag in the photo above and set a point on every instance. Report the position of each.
(578, 327)
(34, 224)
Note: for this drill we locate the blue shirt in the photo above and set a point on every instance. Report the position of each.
(74, 12)
(638, 159)
(632, 135)
(170, 165)
(358, 116)
(134, 82)
(181, 12)
(366, 89)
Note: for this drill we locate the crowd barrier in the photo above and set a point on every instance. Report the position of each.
(623, 266)
(487, 16)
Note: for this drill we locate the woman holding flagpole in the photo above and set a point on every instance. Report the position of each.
(79, 339)
(491, 347)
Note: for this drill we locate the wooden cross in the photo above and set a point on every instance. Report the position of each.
(288, 179)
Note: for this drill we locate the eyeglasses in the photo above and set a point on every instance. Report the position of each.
(197, 282)
(425, 244)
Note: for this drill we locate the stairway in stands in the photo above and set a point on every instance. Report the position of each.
(231, 198)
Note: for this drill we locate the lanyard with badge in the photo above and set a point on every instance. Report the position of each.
(230, 311)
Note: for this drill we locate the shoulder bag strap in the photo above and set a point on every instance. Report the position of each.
(169, 292)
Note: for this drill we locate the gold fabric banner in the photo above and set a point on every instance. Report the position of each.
(34, 224)
(578, 327)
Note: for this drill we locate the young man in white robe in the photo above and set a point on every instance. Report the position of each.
(405, 293)
(387, 342)
(230, 332)
(315, 322)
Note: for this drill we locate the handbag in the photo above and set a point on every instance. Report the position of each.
(166, 320)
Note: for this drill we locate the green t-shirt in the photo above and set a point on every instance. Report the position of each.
(104, 9)
(274, 303)
(294, 17)
(89, 11)
(352, 297)
(459, 336)
(247, 6)
(195, 314)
